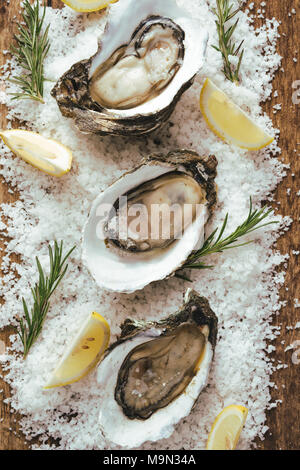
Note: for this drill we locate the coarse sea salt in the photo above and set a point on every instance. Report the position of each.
(243, 288)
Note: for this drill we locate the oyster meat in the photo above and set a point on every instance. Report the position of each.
(176, 190)
(153, 375)
(138, 72)
(144, 227)
(149, 54)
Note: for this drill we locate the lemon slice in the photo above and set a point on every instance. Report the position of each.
(229, 121)
(226, 430)
(88, 5)
(45, 154)
(83, 353)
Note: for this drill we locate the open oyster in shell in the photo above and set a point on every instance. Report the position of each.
(153, 375)
(148, 56)
(144, 226)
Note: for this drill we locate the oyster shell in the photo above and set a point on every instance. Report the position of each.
(149, 54)
(129, 262)
(153, 375)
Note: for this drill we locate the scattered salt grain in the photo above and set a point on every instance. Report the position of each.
(296, 303)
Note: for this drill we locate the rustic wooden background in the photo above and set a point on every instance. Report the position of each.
(284, 420)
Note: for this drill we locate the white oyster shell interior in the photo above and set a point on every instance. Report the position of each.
(123, 19)
(115, 427)
(119, 271)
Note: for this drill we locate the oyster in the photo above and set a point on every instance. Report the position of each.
(153, 375)
(176, 190)
(149, 54)
(139, 71)
(144, 227)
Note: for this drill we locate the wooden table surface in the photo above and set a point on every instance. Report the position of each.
(284, 420)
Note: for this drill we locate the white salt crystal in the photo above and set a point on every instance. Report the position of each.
(296, 303)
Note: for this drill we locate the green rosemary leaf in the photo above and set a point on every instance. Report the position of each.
(183, 277)
(222, 229)
(197, 266)
(226, 46)
(32, 46)
(31, 325)
(219, 244)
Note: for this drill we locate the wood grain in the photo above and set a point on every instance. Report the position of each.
(284, 420)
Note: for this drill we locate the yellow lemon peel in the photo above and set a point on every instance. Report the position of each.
(227, 428)
(47, 155)
(83, 353)
(228, 121)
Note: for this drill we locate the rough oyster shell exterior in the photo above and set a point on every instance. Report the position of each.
(117, 271)
(115, 427)
(72, 89)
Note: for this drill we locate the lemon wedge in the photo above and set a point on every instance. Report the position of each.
(83, 353)
(228, 121)
(226, 430)
(47, 155)
(88, 5)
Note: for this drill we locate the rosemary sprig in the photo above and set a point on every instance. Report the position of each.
(31, 325)
(226, 46)
(216, 244)
(30, 51)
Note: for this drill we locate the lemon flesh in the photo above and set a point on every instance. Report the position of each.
(88, 5)
(83, 354)
(227, 428)
(229, 121)
(47, 155)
